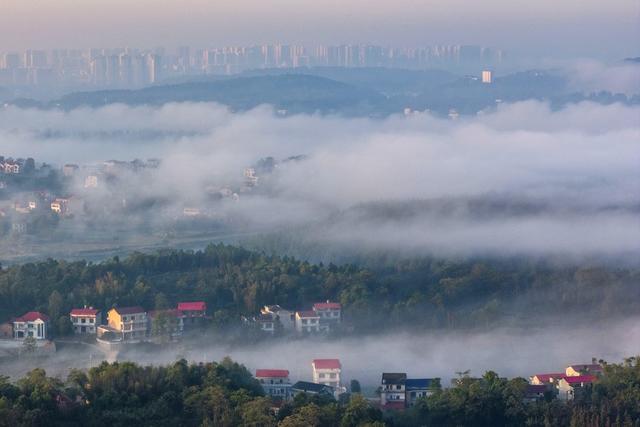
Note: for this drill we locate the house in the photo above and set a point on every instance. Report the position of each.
(311, 388)
(417, 388)
(587, 369)
(307, 322)
(330, 314)
(393, 391)
(544, 379)
(10, 167)
(6, 330)
(327, 372)
(193, 312)
(60, 205)
(125, 324)
(285, 318)
(275, 383)
(535, 392)
(85, 320)
(169, 323)
(91, 181)
(570, 387)
(32, 324)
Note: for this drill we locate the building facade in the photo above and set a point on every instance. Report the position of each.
(393, 390)
(275, 383)
(32, 324)
(85, 320)
(327, 372)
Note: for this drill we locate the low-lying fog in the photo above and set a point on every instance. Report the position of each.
(575, 171)
(508, 351)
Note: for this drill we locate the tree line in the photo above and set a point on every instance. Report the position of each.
(225, 394)
(233, 281)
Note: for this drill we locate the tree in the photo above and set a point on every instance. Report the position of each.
(354, 386)
(55, 304)
(29, 345)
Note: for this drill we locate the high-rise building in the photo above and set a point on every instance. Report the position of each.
(487, 76)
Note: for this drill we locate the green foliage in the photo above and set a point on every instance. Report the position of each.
(233, 281)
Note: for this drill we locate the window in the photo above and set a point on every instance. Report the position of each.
(83, 320)
(332, 376)
(398, 387)
(321, 376)
(92, 320)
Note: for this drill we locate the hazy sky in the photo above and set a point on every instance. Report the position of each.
(595, 28)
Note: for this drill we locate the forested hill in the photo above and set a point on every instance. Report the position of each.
(413, 293)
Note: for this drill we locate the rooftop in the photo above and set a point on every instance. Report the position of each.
(272, 373)
(31, 316)
(394, 378)
(327, 306)
(192, 306)
(312, 387)
(326, 364)
(580, 379)
(129, 310)
(419, 383)
(90, 311)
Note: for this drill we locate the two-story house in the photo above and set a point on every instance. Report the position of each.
(85, 320)
(307, 322)
(286, 318)
(327, 372)
(330, 314)
(193, 312)
(32, 324)
(393, 391)
(570, 387)
(275, 383)
(130, 323)
(417, 388)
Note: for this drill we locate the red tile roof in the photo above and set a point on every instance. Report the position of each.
(327, 305)
(326, 364)
(31, 316)
(580, 379)
(84, 312)
(272, 373)
(192, 306)
(545, 378)
(129, 310)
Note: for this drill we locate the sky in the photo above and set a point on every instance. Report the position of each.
(574, 28)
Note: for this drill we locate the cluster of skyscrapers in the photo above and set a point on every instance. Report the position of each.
(126, 67)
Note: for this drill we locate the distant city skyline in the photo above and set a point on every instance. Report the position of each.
(571, 28)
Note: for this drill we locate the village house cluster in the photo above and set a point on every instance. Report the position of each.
(322, 318)
(567, 385)
(120, 325)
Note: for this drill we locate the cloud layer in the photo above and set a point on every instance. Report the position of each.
(522, 179)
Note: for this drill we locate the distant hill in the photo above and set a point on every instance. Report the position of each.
(292, 92)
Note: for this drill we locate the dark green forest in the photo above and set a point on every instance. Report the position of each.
(419, 293)
(225, 394)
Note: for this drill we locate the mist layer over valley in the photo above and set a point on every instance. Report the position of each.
(520, 180)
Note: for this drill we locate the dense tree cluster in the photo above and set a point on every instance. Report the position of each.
(422, 292)
(225, 394)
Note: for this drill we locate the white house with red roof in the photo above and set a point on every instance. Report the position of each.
(570, 386)
(85, 320)
(32, 324)
(327, 372)
(275, 383)
(307, 322)
(330, 314)
(193, 312)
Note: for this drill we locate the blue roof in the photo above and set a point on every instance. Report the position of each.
(418, 383)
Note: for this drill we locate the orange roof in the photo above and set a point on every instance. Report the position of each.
(192, 306)
(31, 316)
